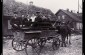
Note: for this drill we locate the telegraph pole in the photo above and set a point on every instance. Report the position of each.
(78, 6)
(31, 3)
(27, 7)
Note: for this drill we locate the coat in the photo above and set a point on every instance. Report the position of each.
(16, 21)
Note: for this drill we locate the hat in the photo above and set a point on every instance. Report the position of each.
(15, 12)
(38, 12)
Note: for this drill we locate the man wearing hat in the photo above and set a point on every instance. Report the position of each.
(38, 18)
(28, 21)
(24, 20)
(15, 22)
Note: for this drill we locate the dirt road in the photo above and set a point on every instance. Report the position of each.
(74, 49)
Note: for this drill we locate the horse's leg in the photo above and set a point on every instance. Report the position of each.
(64, 41)
(66, 38)
(69, 39)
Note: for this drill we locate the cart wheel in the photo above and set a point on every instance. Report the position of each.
(18, 45)
(32, 43)
(41, 42)
(35, 49)
(56, 43)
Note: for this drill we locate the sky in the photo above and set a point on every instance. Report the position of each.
(55, 5)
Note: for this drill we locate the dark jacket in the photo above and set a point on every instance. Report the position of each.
(27, 22)
(38, 19)
(16, 21)
(24, 21)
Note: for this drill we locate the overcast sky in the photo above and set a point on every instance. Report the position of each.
(55, 5)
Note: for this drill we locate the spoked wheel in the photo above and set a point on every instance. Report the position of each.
(18, 45)
(56, 43)
(34, 44)
(41, 42)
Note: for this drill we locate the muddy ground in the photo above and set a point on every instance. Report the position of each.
(74, 49)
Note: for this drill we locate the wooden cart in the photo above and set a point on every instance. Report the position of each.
(35, 38)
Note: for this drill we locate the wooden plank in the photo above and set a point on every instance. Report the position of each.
(33, 32)
(25, 28)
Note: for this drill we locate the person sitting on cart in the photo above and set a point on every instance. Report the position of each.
(15, 22)
(26, 21)
(38, 19)
(16, 27)
(22, 18)
(47, 23)
(29, 20)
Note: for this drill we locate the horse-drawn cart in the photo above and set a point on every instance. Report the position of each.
(34, 38)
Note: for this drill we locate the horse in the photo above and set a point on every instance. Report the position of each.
(65, 31)
(69, 34)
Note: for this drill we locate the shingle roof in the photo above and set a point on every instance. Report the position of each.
(80, 15)
(70, 14)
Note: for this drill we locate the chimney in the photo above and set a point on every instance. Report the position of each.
(31, 2)
(71, 11)
(77, 12)
(68, 10)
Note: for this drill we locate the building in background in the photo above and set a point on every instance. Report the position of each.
(22, 9)
(6, 26)
(74, 18)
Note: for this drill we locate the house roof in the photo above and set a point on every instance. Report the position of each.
(70, 14)
(6, 17)
(22, 9)
(80, 15)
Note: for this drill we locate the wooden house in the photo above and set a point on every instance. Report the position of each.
(66, 15)
(6, 27)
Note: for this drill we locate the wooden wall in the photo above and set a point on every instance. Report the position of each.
(5, 29)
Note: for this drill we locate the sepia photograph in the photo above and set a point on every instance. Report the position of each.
(42, 27)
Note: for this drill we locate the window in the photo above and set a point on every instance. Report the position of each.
(9, 25)
(79, 26)
(59, 17)
(63, 16)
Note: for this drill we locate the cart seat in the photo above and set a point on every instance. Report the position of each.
(33, 32)
(25, 28)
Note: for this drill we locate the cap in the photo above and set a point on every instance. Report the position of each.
(38, 12)
(15, 12)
